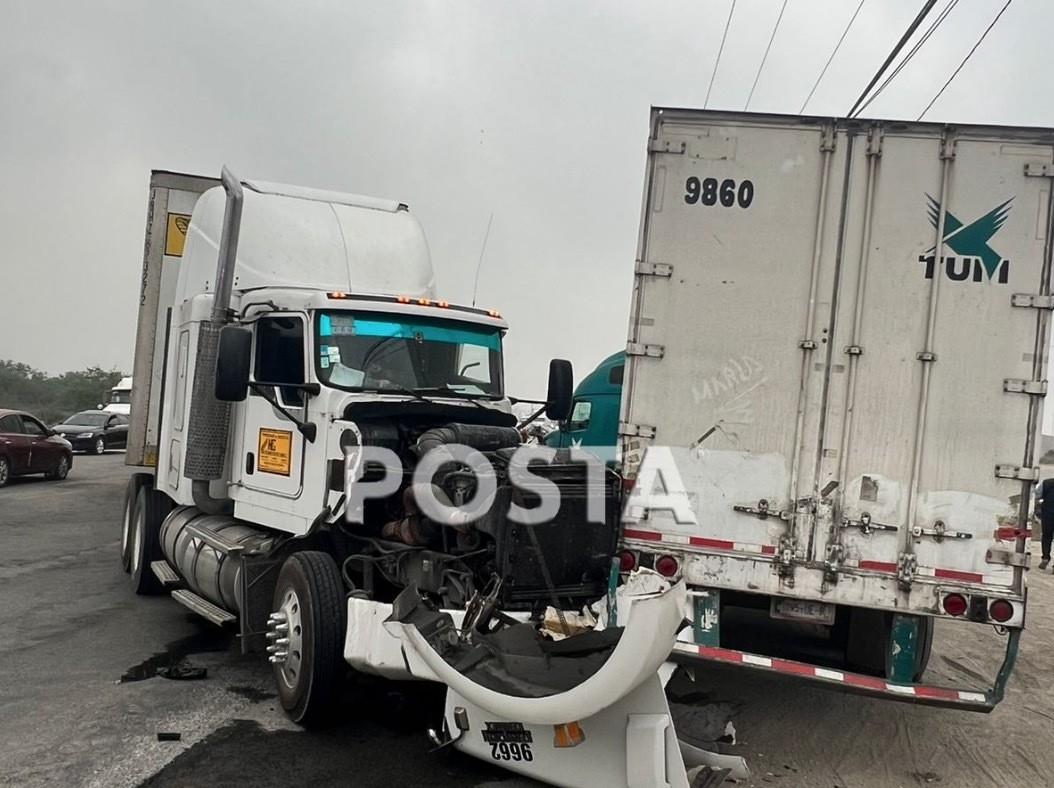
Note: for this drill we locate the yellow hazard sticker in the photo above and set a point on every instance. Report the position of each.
(275, 451)
(176, 234)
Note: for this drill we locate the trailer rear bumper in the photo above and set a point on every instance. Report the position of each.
(922, 694)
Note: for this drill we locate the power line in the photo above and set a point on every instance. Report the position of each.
(907, 58)
(833, 53)
(766, 55)
(728, 23)
(926, 8)
(968, 56)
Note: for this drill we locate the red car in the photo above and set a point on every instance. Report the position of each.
(27, 446)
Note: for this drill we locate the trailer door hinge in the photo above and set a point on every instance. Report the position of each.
(833, 562)
(668, 146)
(1006, 557)
(907, 563)
(639, 349)
(785, 554)
(866, 524)
(1020, 472)
(1039, 169)
(939, 532)
(653, 269)
(635, 430)
(1032, 300)
(1037, 388)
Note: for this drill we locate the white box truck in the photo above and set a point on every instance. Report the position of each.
(285, 333)
(840, 328)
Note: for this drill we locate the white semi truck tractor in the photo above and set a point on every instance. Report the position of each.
(283, 330)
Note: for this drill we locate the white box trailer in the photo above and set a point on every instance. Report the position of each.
(171, 203)
(854, 415)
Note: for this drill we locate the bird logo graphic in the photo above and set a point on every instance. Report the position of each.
(970, 242)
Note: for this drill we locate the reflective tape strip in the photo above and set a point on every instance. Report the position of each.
(858, 680)
(681, 540)
(924, 571)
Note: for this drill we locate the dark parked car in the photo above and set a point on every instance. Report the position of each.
(27, 446)
(95, 431)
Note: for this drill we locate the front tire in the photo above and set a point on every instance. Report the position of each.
(311, 617)
(5, 471)
(60, 471)
(151, 507)
(100, 446)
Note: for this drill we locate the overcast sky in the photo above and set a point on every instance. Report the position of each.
(533, 111)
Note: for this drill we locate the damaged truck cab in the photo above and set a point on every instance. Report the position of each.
(285, 330)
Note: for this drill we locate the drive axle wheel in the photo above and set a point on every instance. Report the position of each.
(151, 507)
(135, 483)
(305, 633)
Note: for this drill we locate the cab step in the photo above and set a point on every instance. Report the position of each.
(203, 607)
(166, 574)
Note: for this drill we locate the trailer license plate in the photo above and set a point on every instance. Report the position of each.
(803, 610)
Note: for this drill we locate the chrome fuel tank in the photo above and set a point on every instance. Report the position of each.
(209, 572)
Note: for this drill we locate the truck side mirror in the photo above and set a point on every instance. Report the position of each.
(233, 357)
(561, 383)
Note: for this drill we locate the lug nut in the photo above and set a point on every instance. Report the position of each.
(282, 642)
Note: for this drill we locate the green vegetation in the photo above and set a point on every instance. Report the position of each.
(51, 399)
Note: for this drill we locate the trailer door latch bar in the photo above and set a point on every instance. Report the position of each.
(939, 532)
(866, 524)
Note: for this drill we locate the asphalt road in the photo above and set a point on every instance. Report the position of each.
(82, 704)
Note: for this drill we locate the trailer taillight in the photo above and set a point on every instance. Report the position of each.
(955, 604)
(666, 565)
(1001, 611)
(627, 561)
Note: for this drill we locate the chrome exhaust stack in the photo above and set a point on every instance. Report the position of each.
(209, 425)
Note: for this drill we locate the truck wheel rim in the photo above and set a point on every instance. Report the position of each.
(285, 633)
(126, 530)
(137, 538)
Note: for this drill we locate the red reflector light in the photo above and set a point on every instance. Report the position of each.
(1001, 611)
(666, 565)
(955, 604)
(337, 294)
(627, 561)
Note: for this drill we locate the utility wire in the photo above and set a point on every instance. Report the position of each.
(926, 8)
(766, 55)
(728, 23)
(968, 56)
(479, 265)
(833, 53)
(914, 50)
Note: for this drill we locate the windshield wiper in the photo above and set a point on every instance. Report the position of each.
(452, 392)
(395, 388)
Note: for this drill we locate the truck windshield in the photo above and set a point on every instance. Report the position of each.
(365, 350)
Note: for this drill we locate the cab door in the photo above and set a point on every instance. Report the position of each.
(272, 449)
